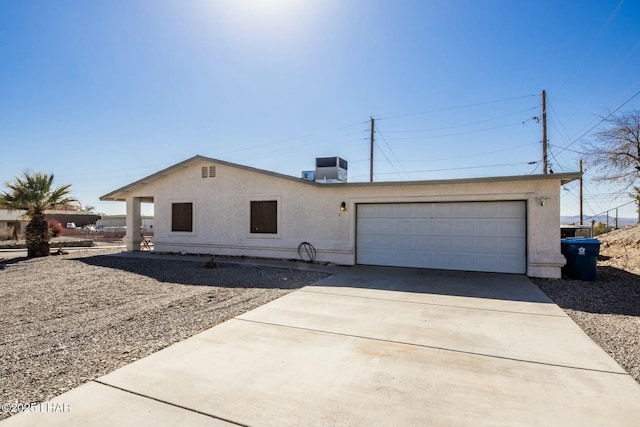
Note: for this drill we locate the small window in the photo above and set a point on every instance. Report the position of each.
(212, 171)
(205, 172)
(264, 216)
(182, 217)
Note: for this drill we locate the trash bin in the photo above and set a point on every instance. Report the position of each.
(581, 255)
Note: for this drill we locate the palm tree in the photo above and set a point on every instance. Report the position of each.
(34, 193)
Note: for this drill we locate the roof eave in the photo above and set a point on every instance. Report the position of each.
(120, 194)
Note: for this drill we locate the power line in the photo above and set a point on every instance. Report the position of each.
(591, 46)
(617, 207)
(461, 168)
(454, 108)
(392, 153)
(557, 117)
(536, 168)
(599, 122)
(474, 155)
(557, 162)
(387, 158)
(296, 138)
(413, 138)
(464, 124)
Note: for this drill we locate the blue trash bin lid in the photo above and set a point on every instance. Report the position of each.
(580, 246)
(580, 241)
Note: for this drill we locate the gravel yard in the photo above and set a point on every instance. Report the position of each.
(608, 309)
(66, 320)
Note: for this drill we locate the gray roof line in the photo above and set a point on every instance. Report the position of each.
(113, 195)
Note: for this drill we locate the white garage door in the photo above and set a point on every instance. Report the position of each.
(472, 236)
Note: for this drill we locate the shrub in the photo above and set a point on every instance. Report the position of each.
(56, 228)
(601, 228)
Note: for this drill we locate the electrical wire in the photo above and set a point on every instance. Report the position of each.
(387, 158)
(599, 122)
(296, 138)
(463, 133)
(557, 164)
(473, 155)
(461, 168)
(464, 124)
(393, 154)
(611, 209)
(592, 45)
(454, 108)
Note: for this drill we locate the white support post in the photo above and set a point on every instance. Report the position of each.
(134, 221)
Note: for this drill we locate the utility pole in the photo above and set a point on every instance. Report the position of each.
(372, 143)
(581, 217)
(544, 132)
(616, 218)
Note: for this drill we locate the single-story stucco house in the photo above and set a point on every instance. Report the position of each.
(9, 219)
(113, 221)
(202, 205)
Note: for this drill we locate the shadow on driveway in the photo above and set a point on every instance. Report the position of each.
(186, 272)
(497, 286)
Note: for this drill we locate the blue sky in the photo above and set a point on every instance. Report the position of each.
(105, 93)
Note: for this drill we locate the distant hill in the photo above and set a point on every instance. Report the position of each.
(575, 219)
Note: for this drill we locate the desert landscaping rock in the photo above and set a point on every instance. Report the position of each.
(608, 309)
(69, 319)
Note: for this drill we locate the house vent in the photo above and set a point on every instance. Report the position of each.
(208, 172)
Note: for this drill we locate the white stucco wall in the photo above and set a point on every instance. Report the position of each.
(221, 207)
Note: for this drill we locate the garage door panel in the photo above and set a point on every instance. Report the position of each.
(511, 228)
(486, 244)
(442, 210)
(477, 236)
(462, 244)
(443, 260)
(424, 226)
(512, 209)
(403, 210)
(466, 227)
(509, 263)
(511, 246)
(422, 210)
(404, 227)
(367, 226)
(486, 210)
(486, 227)
(441, 244)
(421, 243)
(443, 227)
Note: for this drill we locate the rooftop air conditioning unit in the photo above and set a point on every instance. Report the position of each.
(331, 169)
(308, 175)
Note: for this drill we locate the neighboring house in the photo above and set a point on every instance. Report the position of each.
(109, 221)
(8, 219)
(208, 206)
(79, 218)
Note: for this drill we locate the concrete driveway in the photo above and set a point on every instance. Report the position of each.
(371, 346)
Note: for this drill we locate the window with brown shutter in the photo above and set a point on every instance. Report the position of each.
(182, 217)
(264, 216)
